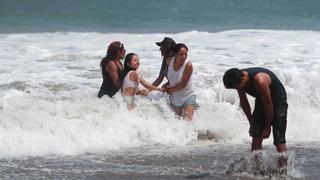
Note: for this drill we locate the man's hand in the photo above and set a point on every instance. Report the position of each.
(266, 132)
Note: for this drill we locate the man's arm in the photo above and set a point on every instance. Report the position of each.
(262, 84)
(245, 105)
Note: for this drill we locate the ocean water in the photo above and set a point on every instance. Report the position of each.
(153, 16)
(50, 117)
(52, 125)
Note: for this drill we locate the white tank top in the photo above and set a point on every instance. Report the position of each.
(178, 98)
(127, 82)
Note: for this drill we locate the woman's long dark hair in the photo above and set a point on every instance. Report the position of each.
(112, 52)
(168, 52)
(127, 60)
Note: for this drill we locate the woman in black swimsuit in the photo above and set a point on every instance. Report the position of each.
(112, 69)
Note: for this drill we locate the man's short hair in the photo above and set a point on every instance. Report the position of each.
(232, 78)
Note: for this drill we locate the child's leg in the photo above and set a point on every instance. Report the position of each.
(129, 97)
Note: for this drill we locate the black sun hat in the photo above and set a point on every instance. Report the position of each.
(167, 42)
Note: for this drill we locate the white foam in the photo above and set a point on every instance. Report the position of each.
(49, 81)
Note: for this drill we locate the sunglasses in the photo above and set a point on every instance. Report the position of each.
(122, 47)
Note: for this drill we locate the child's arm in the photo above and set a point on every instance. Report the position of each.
(148, 85)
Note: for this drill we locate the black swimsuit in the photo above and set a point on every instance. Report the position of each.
(107, 87)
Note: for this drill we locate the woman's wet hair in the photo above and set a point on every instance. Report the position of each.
(127, 60)
(167, 47)
(112, 52)
(179, 46)
(168, 50)
(232, 78)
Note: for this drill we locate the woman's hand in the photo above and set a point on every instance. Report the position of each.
(165, 85)
(143, 92)
(168, 90)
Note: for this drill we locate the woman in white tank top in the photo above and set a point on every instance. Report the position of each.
(180, 86)
(132, 79)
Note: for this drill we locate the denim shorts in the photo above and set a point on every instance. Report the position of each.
(190, 101)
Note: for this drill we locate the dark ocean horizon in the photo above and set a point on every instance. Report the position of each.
(151, 16)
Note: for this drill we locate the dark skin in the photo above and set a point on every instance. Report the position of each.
(166, 58)
(160, 78)
(112, 68)
(262, 82)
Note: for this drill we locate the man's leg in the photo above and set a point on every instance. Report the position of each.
(256, 144)
(256, 128)
(279, 134)
(256, 149)
(281, 148)
(283, 158)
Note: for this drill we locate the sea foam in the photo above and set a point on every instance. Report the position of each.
(49, 82)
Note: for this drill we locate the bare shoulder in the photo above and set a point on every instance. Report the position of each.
(262, 79)
(189, 66)
(111, 65)
(134, 75)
